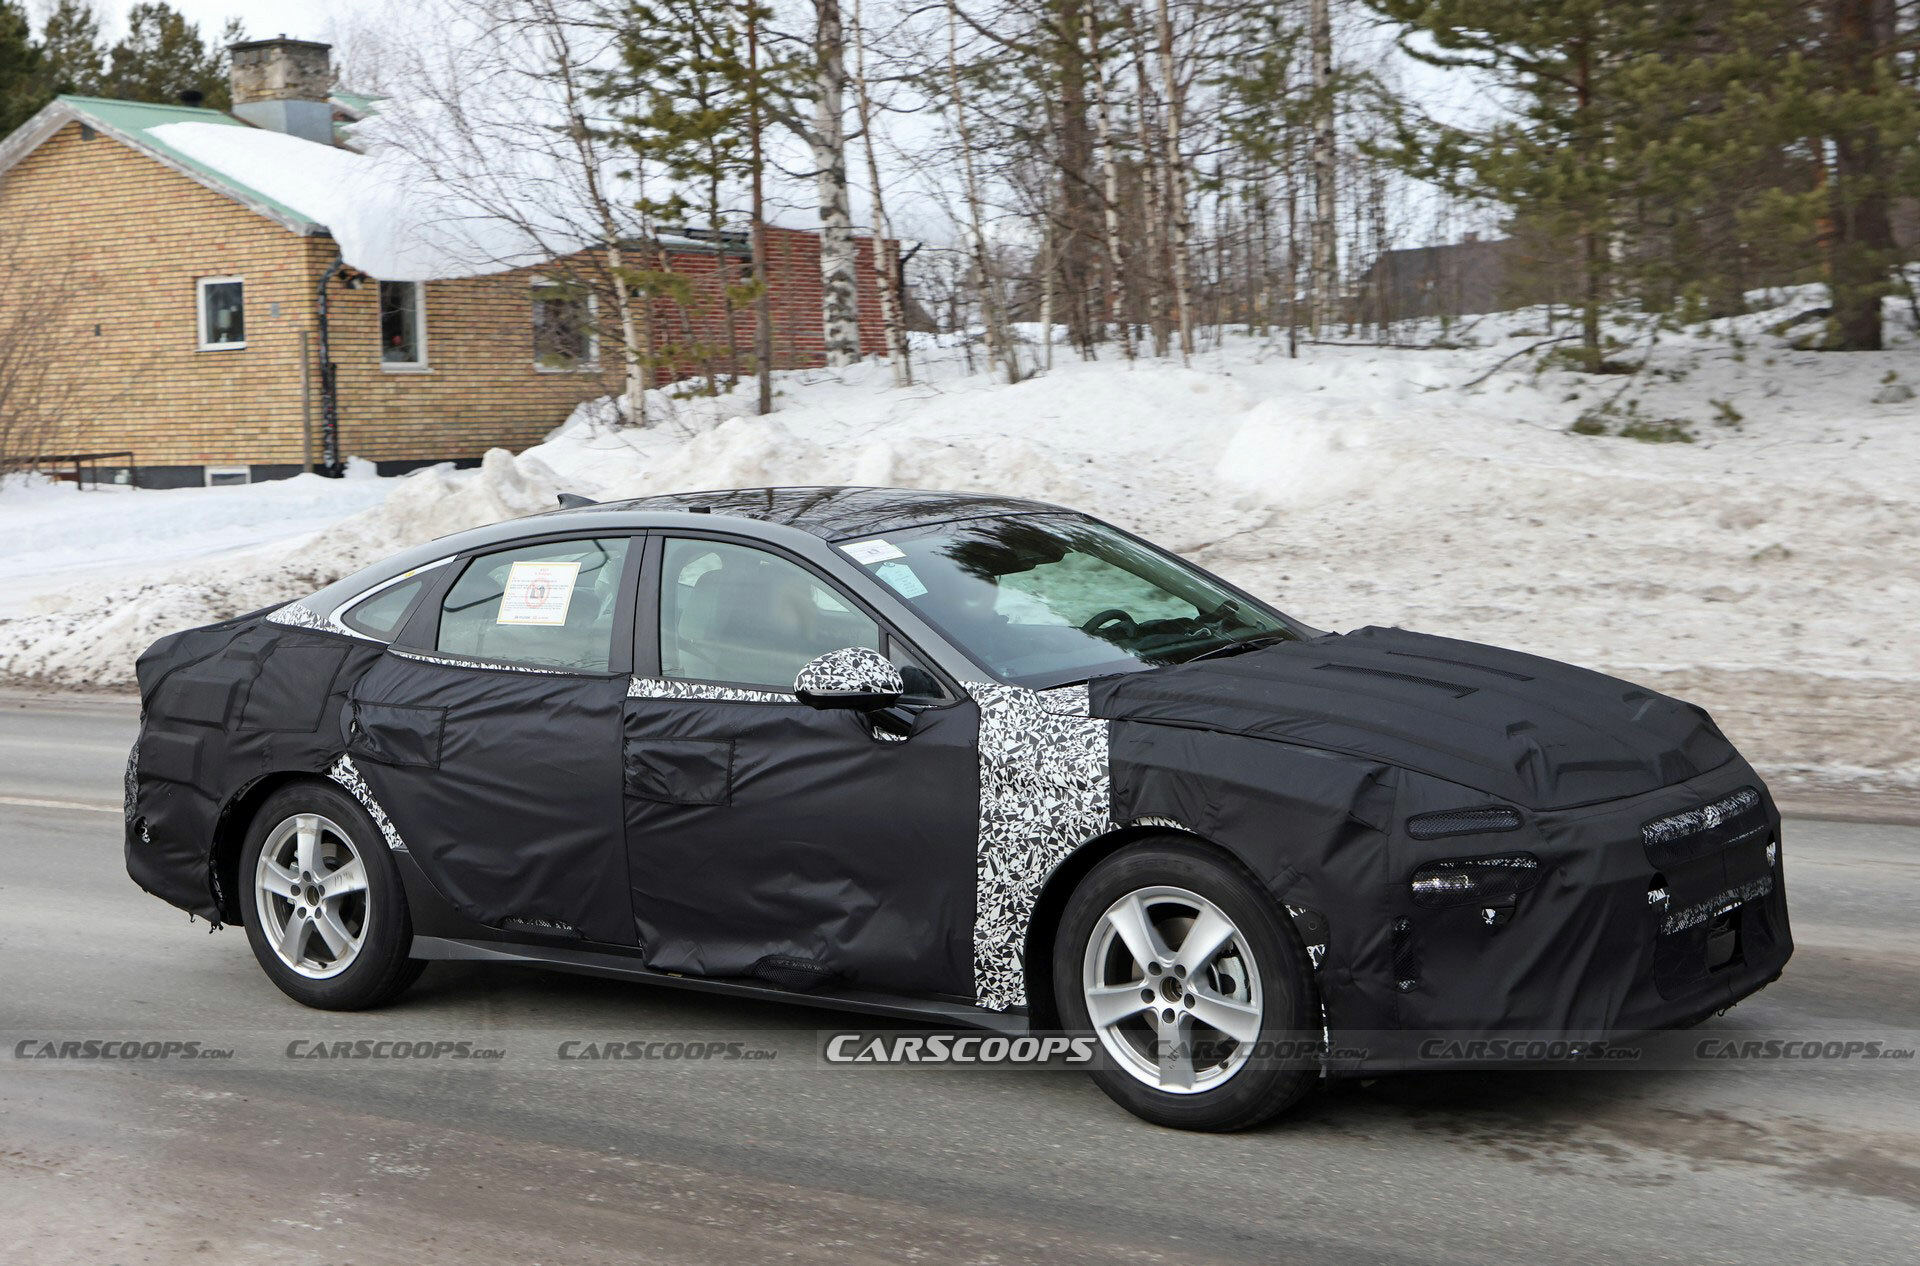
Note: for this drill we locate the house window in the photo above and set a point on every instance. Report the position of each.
(403, 325)
(563, 328)
(223, 313)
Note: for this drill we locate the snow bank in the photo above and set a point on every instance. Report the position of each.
(1766, 569)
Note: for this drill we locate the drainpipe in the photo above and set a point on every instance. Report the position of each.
(329, 389)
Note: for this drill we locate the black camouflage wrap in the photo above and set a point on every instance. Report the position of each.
(737, 834)
(1307, 760)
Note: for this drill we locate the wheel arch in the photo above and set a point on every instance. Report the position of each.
(230, 835)
(1036, 958)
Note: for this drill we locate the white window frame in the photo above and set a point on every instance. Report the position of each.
(420, 364)
(208, 473)
(591, 364)
(200, 312)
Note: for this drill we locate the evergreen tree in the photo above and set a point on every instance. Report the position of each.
(76, 59)
(1567, 160)
(163, 55)
(22, 68)
(682, 95)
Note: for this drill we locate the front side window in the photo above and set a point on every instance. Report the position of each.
(563, 329)
(1043, 600)
(552, 605)
(223, 313)
(742, 616)
(402, 325)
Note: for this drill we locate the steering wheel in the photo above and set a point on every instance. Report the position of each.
(1113, 621)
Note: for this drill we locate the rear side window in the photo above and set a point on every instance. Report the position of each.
(552, 605)
(380, 615)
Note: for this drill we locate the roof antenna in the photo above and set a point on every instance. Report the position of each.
(573, 501)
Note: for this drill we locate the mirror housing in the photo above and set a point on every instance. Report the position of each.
(858, 678)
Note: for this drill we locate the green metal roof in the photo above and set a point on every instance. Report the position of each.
(133, 121)
(358, 102)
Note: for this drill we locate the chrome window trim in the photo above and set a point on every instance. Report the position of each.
(336, 624)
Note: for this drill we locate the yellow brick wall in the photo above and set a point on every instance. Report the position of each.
(136, 236)
(131, 238)
(480, 388)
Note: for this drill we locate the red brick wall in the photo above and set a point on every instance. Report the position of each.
(793, 278)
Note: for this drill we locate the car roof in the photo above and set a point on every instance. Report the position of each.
(831, 513)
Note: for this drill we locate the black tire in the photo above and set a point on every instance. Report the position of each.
(380, 969)
(1261, 1088)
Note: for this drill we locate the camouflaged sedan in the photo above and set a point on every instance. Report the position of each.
(967, 759)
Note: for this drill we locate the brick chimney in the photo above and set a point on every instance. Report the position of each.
(282, 84)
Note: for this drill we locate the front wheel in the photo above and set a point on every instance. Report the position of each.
(1196, 984)
(326, 913)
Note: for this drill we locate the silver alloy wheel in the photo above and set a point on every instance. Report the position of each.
(1172, 990)
(310, 892)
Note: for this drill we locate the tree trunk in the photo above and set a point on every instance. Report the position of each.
(1116, 306)
(1861, 246)
(762, 300)
(1593, 249)
(839, 266)
(1155, 202)
(1074, 241)
(999, 347)
(636, 331)
(1325, 245)
(1180, 224)
(886, 256)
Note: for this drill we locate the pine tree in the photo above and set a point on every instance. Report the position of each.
(1563, 162)
(76, 59)
(22, 68)
(163, 55)
(680, 102)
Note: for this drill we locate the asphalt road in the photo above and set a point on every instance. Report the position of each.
(531, 1159)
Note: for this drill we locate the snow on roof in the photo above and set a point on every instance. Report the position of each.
(136, 123)
(376, 208)
(391, 218)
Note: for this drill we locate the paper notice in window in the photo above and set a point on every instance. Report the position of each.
(538, 593)
(901, 579)
(873, 551)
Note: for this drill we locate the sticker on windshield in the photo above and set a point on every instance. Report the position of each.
(874, 551)
(538, 593)
(900, 578)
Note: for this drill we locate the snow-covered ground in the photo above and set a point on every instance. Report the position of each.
(1770, 569)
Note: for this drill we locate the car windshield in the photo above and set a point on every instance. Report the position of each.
(1044, 600)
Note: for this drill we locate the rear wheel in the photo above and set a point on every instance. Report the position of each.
(326, 913)
(1196, 984)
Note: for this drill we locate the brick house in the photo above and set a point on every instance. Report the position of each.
(197, 319)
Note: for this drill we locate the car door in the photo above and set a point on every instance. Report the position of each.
(769, 839)
(490, 733)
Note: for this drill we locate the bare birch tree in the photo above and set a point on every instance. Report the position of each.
(1116, 307)
(42, 385)
(503, 121)
(1326, 260)
(1179, 220)
(886, 250)
(839, 267)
